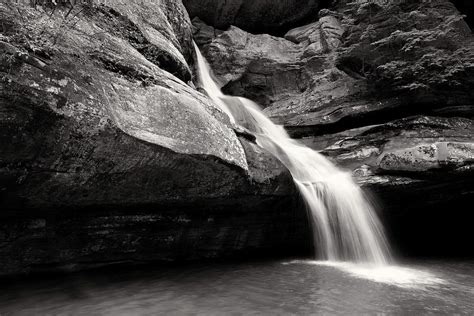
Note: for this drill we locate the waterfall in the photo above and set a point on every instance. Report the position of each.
(344, 223)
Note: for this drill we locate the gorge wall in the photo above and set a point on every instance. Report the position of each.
(111, 154)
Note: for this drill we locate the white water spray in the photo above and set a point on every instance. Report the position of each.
(345, 226)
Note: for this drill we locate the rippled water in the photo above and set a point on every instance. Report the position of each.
(285, 287)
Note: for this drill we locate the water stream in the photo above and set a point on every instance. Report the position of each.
(345, 225)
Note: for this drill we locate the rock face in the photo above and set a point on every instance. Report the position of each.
(256, 16)
(383, 89)
(109, 154)
(427, 59)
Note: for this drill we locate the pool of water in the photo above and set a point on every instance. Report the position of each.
(278, 287)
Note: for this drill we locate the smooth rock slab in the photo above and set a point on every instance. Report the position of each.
(425, 157)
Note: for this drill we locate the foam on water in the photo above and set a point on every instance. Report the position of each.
(400, 276)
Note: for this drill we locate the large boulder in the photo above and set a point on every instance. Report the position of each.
(109, 154)
(256, 16)
(59, 110)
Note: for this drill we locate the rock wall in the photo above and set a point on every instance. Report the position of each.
(385, 90)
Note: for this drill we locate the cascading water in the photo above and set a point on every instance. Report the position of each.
(344, 223)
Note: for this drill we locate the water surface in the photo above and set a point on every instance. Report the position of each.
(280, 287)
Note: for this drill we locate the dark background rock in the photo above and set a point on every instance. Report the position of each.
(255, 16)
(76, 238)
(466, 7)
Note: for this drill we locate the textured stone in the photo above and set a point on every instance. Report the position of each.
(416, 145)
(426, 157)
(322, 36)
(271, 70)
(423, 51)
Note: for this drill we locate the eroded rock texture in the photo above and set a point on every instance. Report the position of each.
(385, 90)
(109, 154)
